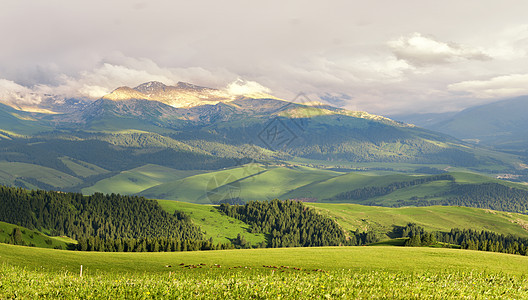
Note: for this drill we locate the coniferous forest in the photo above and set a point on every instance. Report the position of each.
(486, 195)
(102, 222)
(134, 224)
(466, 239)
(288, 223)
(119, 223)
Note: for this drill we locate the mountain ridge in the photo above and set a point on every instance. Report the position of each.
(501, 124)
(129, 133)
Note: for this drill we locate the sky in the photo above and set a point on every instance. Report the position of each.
(384, 57)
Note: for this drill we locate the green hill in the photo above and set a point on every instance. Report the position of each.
(203, 188)
(214, 224)
(33, 238)
(35, 176)
(138, 179)
(15, 122)
(259, 182)
(433, 218)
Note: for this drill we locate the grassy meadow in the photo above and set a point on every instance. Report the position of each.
(431, 218)
(214, 224)
(260, 182)
(138, 179)
(34, 237)
(289, 273)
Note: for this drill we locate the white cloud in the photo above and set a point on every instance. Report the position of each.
(425, 50)
(496, 87)
(245, 87)
(366, 50)
(11, 92)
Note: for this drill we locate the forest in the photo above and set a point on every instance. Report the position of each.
(104, 216)
(288, 223)
(466, 239)
(134, 224)
(485, 195)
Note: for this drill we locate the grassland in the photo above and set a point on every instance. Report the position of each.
(432, 218)
(213, 224)
(259, 182)
(9, 171)
(199, 188)
(81, 168)
(138, 179)
(328, 272)
(33, 237)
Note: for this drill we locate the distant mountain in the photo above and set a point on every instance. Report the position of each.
(181, 95)
(424, 120)
(133, 127)
(502, 124)
(19, 122)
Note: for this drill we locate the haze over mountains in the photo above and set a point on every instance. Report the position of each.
(502, 125)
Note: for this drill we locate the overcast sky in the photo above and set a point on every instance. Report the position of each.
(384, 57)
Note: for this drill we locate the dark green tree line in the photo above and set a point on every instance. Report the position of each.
(104, 216)
(288, 223)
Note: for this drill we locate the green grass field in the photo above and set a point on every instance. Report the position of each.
(199, 188)
(432, 218)
(34, 237)
(258, 182)
(327, 272)
(81, 168)
(12, 170)
(214, 224)
(138, 179)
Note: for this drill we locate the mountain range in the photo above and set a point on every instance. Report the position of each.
(502, 125)
(197, 129)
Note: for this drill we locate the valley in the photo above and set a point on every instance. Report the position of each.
(245, 150)
(236, 187)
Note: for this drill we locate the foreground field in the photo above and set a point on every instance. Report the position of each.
(346, 284)
(328, 272)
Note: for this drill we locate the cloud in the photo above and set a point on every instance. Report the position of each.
(425, 50)
(119, 70)
(365, 50)
(13, 93)
(496, 87)
(245, 87)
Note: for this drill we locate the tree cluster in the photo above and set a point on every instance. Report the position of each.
(484, 241)
(418, 237)
(465, 239)
(105, 216)
(485, 195)
(288, 223)
(147, 245)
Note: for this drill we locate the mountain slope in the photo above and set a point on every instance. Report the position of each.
(129, 128)
(502, 124)
(19, 122)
